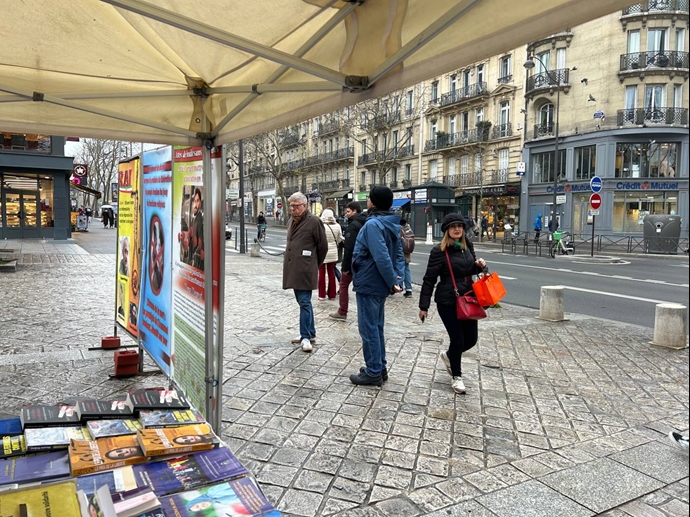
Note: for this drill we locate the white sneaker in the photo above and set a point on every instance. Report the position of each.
(446, 361)
(458, 385)
(679, 440)
(306, 345)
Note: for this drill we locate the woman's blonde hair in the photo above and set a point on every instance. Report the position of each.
(327, 216)
(448, 242)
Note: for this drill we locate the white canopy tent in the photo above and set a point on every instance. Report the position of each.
(132, 70)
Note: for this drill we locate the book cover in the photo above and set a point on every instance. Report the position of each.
(162, 418)
(117, 480)
(55, 500)
(189, 471)
(12, 446)
(134, 502)
(48, 416)
(155, 398)
(165, 441)
(10, 426)
(92, 409)
(117, 427)
(41, 467)
(88, 457)
(238, 497)
(53, 438)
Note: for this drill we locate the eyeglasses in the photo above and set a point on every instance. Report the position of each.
(295, 207)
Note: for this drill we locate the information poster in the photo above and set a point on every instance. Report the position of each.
(156, 274)
(129, 246)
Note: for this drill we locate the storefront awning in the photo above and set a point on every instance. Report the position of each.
(86, 189)
(339, 194)
(398, 203)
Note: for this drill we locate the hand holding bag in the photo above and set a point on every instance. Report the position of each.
(489, 289)
(466, 305)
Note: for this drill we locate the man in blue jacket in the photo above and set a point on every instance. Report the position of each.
(378, 266)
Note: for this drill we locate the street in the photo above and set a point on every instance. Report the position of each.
(625, 292)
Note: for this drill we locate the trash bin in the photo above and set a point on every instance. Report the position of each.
(661, 234)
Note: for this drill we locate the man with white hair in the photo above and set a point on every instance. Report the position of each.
(305, 251)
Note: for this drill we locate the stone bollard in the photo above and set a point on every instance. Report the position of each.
(551, 303)
(254, 250)
(670, 325)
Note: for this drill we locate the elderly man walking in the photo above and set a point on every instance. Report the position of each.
(378, 267)
(305, 251)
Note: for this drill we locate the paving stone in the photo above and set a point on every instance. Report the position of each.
(467, 509)
(392, 477)
(299, 502)
(657, 460)
(531, 499)
(289, 457)
(277, 475)
(349, 490)
(398, 507)
(429, 499)
(313, 481)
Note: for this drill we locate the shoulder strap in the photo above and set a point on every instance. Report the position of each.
(332, 233)
(452, 276)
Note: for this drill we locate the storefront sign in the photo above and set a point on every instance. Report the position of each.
(646, 185)
(420, 196)
(362, 196)
(567, 187)
(407, 194)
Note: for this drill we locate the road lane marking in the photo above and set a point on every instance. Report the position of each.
(627, 297)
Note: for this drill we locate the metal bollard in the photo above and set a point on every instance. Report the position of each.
(551, 303)
(670, 326)
(237, 234)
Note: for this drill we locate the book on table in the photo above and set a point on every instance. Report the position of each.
(118, 480)
(53, 438)
(48, 416)
(50, 500)
(40, 467)
(155, 399)
(12, 446)
(167, 418)
(132, 503)
(92, 409)
(237, 497)
(10, 425)
(189, 471)
(87, 457)
(166, 441)
(116, 427)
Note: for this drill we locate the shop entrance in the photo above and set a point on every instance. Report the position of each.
(20, 213)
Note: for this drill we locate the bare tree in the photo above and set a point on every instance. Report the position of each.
(102, 158)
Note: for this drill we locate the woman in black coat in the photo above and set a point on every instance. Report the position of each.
(462, 333)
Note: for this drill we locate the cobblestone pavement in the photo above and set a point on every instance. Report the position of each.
(560, 419)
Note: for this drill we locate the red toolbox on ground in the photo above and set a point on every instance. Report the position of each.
(126, 362)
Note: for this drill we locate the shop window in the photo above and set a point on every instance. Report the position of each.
(630, 209)
(585, 162)
(646, 160)
(543, 166)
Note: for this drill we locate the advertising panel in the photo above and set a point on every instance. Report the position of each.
(156, 275)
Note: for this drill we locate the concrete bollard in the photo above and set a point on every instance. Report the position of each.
(551, 303)
(254, 250)
(670, 325)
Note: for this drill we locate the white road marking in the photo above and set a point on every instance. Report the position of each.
(627, 297)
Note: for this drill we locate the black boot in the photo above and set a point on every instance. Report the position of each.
(384, 373)
(362, 379)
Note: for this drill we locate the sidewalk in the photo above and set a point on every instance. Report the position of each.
(560, 419)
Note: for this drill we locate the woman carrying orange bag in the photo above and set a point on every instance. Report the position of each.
(462, 333)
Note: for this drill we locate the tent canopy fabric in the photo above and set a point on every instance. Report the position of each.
(180, 72)
(339, 194)
(397, 203)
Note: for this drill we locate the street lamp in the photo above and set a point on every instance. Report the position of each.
(529, 65)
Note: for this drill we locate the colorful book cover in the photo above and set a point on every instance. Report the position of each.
(117, 427)
(10, 426)
(12, 446)
(232, 498)
(48, 416)
(117, 480)
(41, 467)
(87, 457)
(54, 500)
(189, 471)
(91, 409)
(53, 438)
(161, 418)
(174, 440)
(156, 399)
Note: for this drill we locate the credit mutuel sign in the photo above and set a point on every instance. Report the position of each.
(647, 185)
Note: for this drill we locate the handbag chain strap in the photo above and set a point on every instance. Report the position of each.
(334, 237)
(452, 276)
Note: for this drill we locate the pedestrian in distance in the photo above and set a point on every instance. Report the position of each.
(105, 216)
(407, 240)
(355, 221)
(459, 250)
(537, 228)
(553, 224)
(378, 266)
(260, 224)
(485, 227)
(305, 251)
(327, 269)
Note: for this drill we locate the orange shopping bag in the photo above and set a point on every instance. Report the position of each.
(489, 289)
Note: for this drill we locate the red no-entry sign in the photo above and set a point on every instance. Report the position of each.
(595, 201)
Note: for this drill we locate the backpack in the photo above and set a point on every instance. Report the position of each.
(407, 240)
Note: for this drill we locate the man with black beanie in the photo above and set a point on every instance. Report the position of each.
(378, 266)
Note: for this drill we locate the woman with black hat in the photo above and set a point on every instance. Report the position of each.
(460, 251)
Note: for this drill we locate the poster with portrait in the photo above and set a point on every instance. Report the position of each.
(192, 209)
(128, 246)
(156, 274)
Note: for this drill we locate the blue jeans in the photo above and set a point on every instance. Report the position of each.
(408, 278)
(370, 319)
(306, 314)
(337, 272)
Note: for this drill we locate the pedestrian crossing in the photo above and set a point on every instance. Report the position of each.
(264, 249)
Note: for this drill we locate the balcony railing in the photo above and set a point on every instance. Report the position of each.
(345, 182)
(542, 130)
(387, 155)
(548, 78)
(505, 79)
(444, 140)
(323, 186)
(290, 140)
(653, 116)
(462, 180)
(657, 6)
(499, 176)
(332, 126)
(653, 60)
(502, 131)
(381, 121)
(467, 92)
(288, 191)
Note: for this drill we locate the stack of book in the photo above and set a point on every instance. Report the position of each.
(148, 454)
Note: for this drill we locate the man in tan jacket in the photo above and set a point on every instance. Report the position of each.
(305, 251)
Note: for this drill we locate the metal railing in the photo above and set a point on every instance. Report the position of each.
(657, 6)
(541, 130)
(332, 126)
(659, 59)
(648, 116)
(505, 79)
(445, 140)
(548, 78)
(382, 120)
(466, 92)
(387, 155)
(502, 131)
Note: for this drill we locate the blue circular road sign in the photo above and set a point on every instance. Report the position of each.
(595, 184)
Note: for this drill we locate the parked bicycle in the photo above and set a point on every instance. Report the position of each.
(561, 244)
